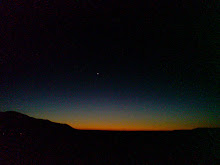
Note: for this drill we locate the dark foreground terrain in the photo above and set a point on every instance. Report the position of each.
(26, 140)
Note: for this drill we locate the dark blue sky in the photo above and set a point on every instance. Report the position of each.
(157, 63)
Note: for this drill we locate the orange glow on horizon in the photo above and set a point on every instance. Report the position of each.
(118, 121)
(122, 129)
(128, 128)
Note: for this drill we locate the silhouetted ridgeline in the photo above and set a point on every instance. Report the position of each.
(25, 141)
(17, 122)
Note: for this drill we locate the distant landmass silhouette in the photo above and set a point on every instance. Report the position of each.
(25, 140)
(17, 121)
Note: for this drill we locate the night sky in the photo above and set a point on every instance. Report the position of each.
(111, 65)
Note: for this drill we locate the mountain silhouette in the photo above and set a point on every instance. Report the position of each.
(17, 121)
(25, 140)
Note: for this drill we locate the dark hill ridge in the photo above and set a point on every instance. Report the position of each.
(25, 140)
(16, 120)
